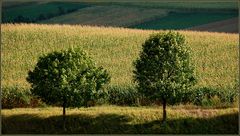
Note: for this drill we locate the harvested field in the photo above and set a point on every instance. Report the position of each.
(108, 16)
(228, 26)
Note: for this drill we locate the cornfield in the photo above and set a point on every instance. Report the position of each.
(214, 55)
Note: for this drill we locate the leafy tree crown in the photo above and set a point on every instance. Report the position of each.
(163, 70)
(67, 76)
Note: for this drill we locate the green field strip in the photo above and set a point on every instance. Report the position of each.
(177, 20)
(34, 11)
(108, 16)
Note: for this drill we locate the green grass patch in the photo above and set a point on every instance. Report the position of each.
(14, 4)
(201, 5)
(33, 11)
(120, 120)
(178, 20)
(176, 4)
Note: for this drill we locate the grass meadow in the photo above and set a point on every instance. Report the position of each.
(121, 120)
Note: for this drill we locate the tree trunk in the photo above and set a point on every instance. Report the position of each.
(164, 110)
(64, 113)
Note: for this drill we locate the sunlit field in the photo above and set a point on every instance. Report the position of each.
(112, 33)
(121, 120)
(214, 54)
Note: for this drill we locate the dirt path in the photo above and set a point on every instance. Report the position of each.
(229, 26)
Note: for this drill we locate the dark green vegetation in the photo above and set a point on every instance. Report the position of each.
(120, 120)
(163, 71)
(205, 97)
(180, 4)
(68, 79)
(17, 97)
(175, 14)
(33, 12)
(182, 20)
(12, 4)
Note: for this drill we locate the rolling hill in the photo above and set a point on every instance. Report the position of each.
(214, 54)
(139, 14)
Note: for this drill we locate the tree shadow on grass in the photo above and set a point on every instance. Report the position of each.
(75, 124)
(116, 124)
(224, 124)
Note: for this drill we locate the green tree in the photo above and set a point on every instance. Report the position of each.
(68, 79)
(163, 71)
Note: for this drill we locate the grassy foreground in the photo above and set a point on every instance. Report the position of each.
(215, 55)
(120, 120)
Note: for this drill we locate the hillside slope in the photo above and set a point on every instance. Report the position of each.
(214, 54)
(108, 16)
(139, 14)
(229, 25)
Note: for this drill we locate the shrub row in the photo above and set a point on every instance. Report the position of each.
(123, 95)
(203, 96)
(15, 97)
(213, 97)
